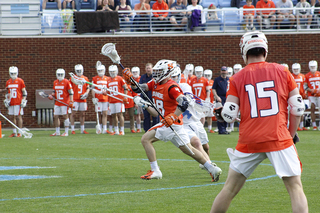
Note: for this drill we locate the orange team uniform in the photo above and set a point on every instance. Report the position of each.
(15, 90)
(162, 6)
(190, 78)
(313, 81)
(300, 79)
(199, 87)
(262, 4)
(272, 83)
(183, 79)
(61, 91)
(164, 97)
(247, 12)
(101, 81)
(116, 84)
(79, 90)
(211, 93)
(137, 79)
(130, 101)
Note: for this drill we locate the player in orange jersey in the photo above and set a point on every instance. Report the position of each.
(262, 91)
(62, 91)
(299, 79)
(200, 86)
(312, 86)
(138, 110)
(171, 103)
(16, 99)
(116, 106)
(188, 73)
(208, 75)
(130, 108)
(80, 95)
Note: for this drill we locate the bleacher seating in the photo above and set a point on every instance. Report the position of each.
(224, 3)
(231, 20)
(89, 5)
(206, 3)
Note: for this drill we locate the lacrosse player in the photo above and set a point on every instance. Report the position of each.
(130, 108)
(200, 86)
(299, 79)
(262, 93)
(62, 91)
(171, 102)
(188, 73)
(138, 109)
(15, 99)
(99, 100)
(237, 68)
(208, 75)
(117, 83)
(80, 99)
(312, 86)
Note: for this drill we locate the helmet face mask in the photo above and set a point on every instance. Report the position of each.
(296, 68)
(78, 70)
(60, 73)
(230, 72)
(101, 70)
(198, 71)
(207, 74)
(313, 66)
(237, 68)
(135, 72)
(13, 72)
(189, 69)
(163, 70)
(113, 71)
(176, 75)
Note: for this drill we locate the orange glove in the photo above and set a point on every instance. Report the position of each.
(170, 119)
(71, 104)
(125, 100)
(127, 75)
(50, 97)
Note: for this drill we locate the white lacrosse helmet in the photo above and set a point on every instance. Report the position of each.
(163, 69)
(207, 74)
(189, 69)
(198, 71)
(13, 72)
(135, 72)
(237, 68)
(230, 72)
(60, 73)
(252, 40)
(313, 66)
(113, 71)
(78, 69)
(286, 65)
(101, 70)
(176, 73)
(296, 68)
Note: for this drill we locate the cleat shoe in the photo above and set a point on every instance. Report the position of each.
(304, 129)
(315, 128)
(55, 134)
(116, 133)
(19, 135)
(299, 129)
(132, 131)
(73, 132)
(84, 132)
(12, 135)
(64, 134)
(152, 175)
(108, 132)
(112, 133)
(121, 133)
(201, 166)
(211, 131)
(215, 173)
(138, 130)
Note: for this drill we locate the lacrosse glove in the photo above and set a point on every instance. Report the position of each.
(95, 101)
(140, 102)
(23, 103)
(217, 112)
(71, 104)
(127, 75)
(296, 138)
(6, 102)
(125, 100)
(84, 96)
(170, 119)
(50, 97)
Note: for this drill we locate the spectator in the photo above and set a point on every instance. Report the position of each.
(44, 3)
(195, 11)
(138, 109)
(124, 17)
(248, 15)
(160, 18)
(178, 19)
(285, 14)
(303, 11)
(212, 15)
(67, 3)
(147, 117)
(106, 5)
(219, 90)
(78, 4)
(118, 2)
(266, 17)
(141, 19)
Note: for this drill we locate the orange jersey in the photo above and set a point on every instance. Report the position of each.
(263, 5)
(164, 96)
(211, 93)
(116, 84)
(61, 91)
(190, 78)
(132, 94)
(199, 87)
(79, 90)
(15, 90)
(300, 79)
(313, 81)
(247, 12)
(101, 81)
(183, 79)
(263, 91)
(137, 79)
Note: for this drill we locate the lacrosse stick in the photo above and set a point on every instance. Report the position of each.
(98, 128)
(98, 64)
(24, 131)
(99, 92)
(109, 50)
(80, 81)
(44, 95)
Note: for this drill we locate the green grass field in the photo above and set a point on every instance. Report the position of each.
(101, 173)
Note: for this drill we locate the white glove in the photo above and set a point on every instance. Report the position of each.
(23, 103)
(6, 102)
(84, 96)
(95, 101)
(140, 102)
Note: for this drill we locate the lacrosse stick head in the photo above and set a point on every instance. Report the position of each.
(42, 94)
(201, 106)
(26, 134)
(76, 79)
(98, 64)
(98, 129)
(109, 50)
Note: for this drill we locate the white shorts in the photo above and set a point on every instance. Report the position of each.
(60, 110)
(166, 134)
(102, 106)
(80, 106)
(315, 100)
(196, 129)
(15, 110)
(210, 115)
(285, 162)
(116, 108)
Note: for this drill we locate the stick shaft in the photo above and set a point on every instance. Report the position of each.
(12, 123)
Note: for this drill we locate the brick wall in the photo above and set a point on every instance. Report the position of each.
(38, 58)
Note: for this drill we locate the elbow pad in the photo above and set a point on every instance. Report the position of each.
(70, 92)
(136, 89)
(297, 105)
(305, 86)
(24, 93)
(230, 112)
(183, 103)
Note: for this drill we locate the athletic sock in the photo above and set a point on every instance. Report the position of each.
(139, 126)
(154, 166)
(209, 127)
(82, 128)
(104, 128)
(15, 131)
(122, 128)
(110, 128)
(314, 124)
(116, 129)
(72, 127)
(207, 165)
(66, 130)
(58, 130)
(301, 125)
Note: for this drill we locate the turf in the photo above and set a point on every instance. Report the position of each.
(100, 173)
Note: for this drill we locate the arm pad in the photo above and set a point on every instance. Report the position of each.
(136, 89)
(230, 112)
(183, 103)
(297, 105)
(70, 92)
(24, 93)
